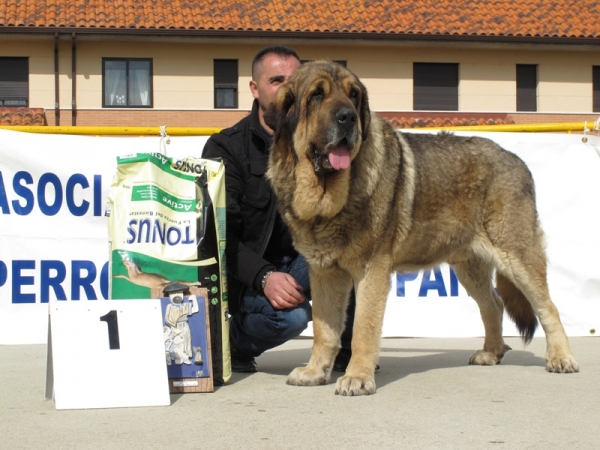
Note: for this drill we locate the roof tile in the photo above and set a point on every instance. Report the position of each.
(22, 116)
(430, 122)
(500, 18)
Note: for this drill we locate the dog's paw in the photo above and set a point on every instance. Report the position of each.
(564, 364)
(354, 385)
(487, 357)
(483, 358)
(305, 376)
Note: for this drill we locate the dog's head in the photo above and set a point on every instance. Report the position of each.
(323, 111)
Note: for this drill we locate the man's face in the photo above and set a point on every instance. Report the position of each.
(270, 74)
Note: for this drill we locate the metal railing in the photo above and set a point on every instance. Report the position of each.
(568, 127)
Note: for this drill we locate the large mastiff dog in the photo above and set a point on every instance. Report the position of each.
(362, 200)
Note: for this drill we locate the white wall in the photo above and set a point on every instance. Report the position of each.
(183, 71)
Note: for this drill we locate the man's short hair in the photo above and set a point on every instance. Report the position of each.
(280, 50)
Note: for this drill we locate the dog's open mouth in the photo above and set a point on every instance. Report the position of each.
(336, 158)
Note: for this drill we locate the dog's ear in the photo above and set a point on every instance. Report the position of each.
(278, 115)
(364, 112)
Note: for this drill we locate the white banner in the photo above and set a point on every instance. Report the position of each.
(54, 237)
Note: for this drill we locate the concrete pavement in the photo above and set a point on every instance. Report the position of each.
(428, 397)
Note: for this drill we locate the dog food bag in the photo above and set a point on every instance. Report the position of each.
(166, 222)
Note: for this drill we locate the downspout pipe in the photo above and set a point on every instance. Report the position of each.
(73, 81)
(56, 84)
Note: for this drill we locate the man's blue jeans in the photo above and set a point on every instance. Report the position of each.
(259, 327)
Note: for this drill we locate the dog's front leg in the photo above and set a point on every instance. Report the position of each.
(371, 298)
(330, 289)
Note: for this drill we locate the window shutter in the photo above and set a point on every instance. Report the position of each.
(526, 87)
(596, 88)
(435, 86)
(14, 81)
(226, 83)
(226, 72)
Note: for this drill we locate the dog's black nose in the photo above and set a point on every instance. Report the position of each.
(346, 117)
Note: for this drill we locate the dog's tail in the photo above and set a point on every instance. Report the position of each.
(518, 307)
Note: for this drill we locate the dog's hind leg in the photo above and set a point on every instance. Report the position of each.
(524, 273)
(475, 275)
(518, 253)
(330, 289)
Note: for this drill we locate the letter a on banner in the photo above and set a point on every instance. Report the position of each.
(106, 354)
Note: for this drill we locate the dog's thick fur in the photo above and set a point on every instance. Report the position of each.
(362, 200)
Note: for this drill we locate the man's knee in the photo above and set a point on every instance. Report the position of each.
(275, 325)
(297, 321)
(287, 324)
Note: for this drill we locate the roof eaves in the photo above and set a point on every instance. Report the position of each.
(317, 35)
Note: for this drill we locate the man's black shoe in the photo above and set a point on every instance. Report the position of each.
(343, 358)
(240, 362)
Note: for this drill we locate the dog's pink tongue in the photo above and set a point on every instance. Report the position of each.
(339, 157)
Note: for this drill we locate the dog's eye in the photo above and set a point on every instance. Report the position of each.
(317, 95)
(354, 95)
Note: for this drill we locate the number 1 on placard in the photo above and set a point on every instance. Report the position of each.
(112, 321)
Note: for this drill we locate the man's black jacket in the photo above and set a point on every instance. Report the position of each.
(251, 204)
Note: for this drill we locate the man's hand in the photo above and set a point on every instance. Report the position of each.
(283, 291)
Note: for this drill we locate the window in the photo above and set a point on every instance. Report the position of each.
(126, 83)
(14, 81)
(226, 83)
(526, 87)
(435, 86)
(596, 88)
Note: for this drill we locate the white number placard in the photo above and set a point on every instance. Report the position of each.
(106, 354)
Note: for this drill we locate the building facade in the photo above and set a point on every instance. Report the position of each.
(132, 66)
